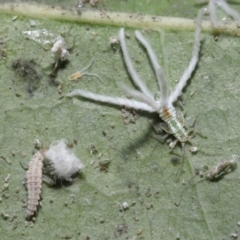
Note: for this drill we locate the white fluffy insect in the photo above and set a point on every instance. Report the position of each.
(148, 102)
(34, 183)
(47, 39)
(64, 163)
(59, 51)
(212, 4)
(222, 168)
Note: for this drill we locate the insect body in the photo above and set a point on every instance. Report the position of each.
(34, 183)
(59, 51)
(168, 115)
(221, 168)
(83, 72)
(148, 102)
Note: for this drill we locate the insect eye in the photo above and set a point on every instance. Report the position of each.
(157, 96)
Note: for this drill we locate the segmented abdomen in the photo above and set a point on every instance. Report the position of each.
(168, 115)
(34, 183)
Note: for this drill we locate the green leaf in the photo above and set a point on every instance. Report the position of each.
(164, 202)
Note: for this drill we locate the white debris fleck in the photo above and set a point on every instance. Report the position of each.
(234, 236)
(6, 179)
(125, 205)
(32, 23)
(15, 18)
(183, 182)
(114, 40)
(64, 162)
(37, 143)
(192, 93)
(193, 149)
(172, 144)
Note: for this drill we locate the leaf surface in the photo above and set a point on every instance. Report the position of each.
(164, 202)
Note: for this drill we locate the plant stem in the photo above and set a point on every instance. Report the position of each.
(118, 19)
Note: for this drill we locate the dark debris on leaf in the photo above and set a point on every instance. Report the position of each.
(27, 74)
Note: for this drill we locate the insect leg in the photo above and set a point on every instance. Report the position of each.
(191, 129)
(160, 138)
(181, 156)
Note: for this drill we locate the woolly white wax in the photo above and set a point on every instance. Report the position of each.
(64, 162)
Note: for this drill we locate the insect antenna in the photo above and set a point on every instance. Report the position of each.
(88, 66)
